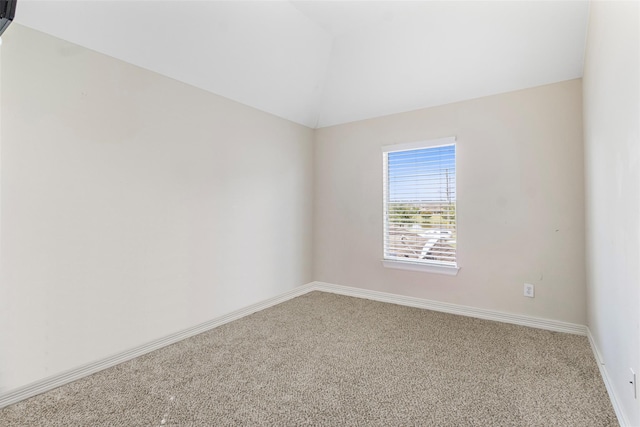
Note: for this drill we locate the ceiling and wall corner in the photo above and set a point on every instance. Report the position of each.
(124, 193)
(313, 63)
(321, 63)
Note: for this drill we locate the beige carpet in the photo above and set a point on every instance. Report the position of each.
(324, 359)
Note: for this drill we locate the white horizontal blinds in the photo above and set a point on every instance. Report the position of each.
(420, 204)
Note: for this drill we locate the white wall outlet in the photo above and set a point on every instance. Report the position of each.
(528, 290)
(634, 384)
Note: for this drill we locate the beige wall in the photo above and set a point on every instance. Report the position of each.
(134, 206)
(520, 202)
(612, 159)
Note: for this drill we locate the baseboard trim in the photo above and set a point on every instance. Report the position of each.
(622, 419)
(55, 381)
(480, 313)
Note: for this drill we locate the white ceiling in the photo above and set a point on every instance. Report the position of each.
(321, 63)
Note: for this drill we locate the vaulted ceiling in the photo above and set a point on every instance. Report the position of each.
(320, 63)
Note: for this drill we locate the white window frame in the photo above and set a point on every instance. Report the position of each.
(417, 265)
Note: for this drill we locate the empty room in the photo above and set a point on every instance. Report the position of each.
(336, 213)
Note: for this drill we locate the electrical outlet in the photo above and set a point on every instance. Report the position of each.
(528, 290)
(634, 384)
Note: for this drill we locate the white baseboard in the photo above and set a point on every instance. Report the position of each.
(518, 319)
(47, 384)
(622, 418)
(55, 381)
(463, 310)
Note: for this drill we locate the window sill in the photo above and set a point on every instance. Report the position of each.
(428, 268)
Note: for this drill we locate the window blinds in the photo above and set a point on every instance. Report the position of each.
(420, 202)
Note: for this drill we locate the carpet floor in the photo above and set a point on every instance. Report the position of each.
(330, 360)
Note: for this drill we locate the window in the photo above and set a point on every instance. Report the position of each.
(420, 206)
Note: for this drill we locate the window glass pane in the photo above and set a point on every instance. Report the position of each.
(420, 205)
